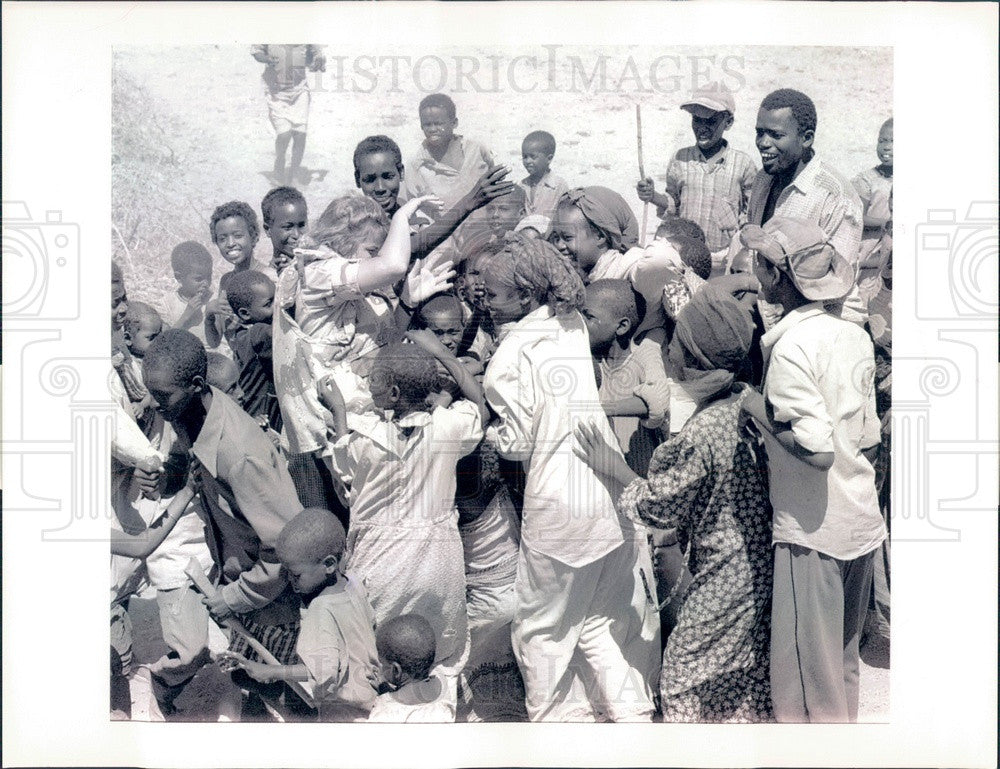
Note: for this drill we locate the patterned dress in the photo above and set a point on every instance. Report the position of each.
(706, 482)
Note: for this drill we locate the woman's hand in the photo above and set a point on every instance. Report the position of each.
(424, 280)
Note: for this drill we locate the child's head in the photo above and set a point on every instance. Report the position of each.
(354, 226)
(786, 128)
(142, 325)
(234, 231)
(469, 282)
(438, 120)
(712, 108)
(310, 548)
(499, 216)
(119, 301)
(192, 266)
(590, 221)
(694, 253)
(442, 314)
(612, 311)
(174, 371)
(223, 374)
(678, 225)
(285, 216)
(251, 296)
(406, 649)
(528, 273)
(537, 151)
(402, 377)
(884, 147)
(378, 170)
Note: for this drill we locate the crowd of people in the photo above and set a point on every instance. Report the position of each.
(468, 449)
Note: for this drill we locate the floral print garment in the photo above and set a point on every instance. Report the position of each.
(706, 482)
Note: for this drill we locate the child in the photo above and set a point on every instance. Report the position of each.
(336, 643)
(542, 187)
(234, 231)
(442, 316)
(334, 311)
(142, 325)
(283, 211)
(820, 429)
(479, 336)
(223, 374)
(406, 650)
(710, 182)
(287, 92)
(400, 472)
(574, 579)
(492, 223)
(874, 187)
(185, 307)
(678, 225)
(247, 494)
(251, 297)
(696, 268)
(448, 165)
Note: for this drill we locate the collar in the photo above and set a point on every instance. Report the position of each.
(718, 158)
(426, 159)
(206, 447)
(806, 179)
(533, 319)
(796, 316)
(545, 181)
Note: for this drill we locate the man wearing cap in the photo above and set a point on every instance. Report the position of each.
(710, 182)
(796, 184)
(821, 431)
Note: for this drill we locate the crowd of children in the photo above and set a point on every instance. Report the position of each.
(465, 449)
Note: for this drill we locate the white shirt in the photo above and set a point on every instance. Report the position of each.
(541, 384)
(820, 379)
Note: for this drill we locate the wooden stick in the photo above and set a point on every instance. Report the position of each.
(205, 587)
(642, 173)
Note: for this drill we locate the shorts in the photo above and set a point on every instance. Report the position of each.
(288, 109)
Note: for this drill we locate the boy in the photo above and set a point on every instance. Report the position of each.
(542, 187)
(821, 431)
(710, 182)
(185, 307)
(874, 187)
(406, 650)
(223, 374)
(448, 165)
(287, 91)
(337, 658)
(247, 494)
(286, 218)
(442, 316)
(251, 297)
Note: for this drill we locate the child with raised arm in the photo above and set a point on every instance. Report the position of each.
(709, 182)
(399, 469)
(448, 165)
(574, 579)
(336, 655)
(406, 649)
(185, 307)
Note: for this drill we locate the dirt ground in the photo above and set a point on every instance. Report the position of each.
(191, 132)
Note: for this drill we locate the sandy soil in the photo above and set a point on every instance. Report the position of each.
(211, 122)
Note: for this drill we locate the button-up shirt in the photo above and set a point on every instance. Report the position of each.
(427, 176)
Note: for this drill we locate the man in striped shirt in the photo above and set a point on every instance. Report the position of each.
(709, 182)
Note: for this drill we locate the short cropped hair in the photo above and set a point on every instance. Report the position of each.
(179, 352)
(215, 370)
(190, 255)
(236, 208)
(694, 254)
(277, 197)
(547, 140)
(886, 124)
(348, 221)
(440, 100)
(409, 641)
(802, 107)
(239, 289)
(312, 535)
(678, 225)
(372, 144)
(411, 368)
(138, 313)
(439, 303)
(620, 298)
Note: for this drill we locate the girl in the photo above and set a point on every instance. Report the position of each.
(706, 483)
(574, 579)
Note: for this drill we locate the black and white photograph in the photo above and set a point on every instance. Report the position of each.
(500, 364)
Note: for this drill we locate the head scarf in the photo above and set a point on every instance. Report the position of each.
(608, 211)
(717, 332)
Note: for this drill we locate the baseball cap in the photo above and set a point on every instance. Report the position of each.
(713, 96)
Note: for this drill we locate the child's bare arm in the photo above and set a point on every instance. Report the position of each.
(142, 545)
(261, 671)
(466, 382)
(393, 258)
(333, 401)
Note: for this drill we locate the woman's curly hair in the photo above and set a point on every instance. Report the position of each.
(347, 222)
(535, 267)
